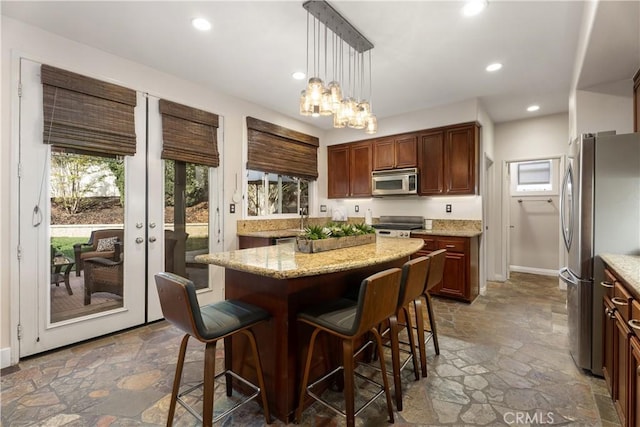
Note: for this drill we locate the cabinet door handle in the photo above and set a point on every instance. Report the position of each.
(450, 246)
(619, 301)
(634, 324)
(606, 284)
(638, 371)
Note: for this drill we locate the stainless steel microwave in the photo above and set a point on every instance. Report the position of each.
(394, 182)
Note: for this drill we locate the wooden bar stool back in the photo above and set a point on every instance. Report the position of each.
(208, 324)
(349, 320)
(412, 285)
(436, 272)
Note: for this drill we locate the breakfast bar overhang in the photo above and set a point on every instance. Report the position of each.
(283, 282)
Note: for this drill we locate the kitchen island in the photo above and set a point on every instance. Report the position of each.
(283, 282)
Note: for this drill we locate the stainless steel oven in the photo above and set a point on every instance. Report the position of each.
(394, 182)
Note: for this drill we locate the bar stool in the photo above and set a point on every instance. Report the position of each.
(436, 272)
(412, 285)
(208, 324)
(349, 320)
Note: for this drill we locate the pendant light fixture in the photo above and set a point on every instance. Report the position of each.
(345, 102)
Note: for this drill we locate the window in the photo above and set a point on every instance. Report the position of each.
(273, 194)
(534, 176)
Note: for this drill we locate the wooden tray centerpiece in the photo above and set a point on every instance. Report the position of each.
(319, 238)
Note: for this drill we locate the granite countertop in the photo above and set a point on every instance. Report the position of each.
(283, 262)
(272, 234)
(625, 266)
(295, 232)
(447, 233)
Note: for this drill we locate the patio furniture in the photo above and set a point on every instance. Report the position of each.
(102, 275)
(105, 243)
(61, 266)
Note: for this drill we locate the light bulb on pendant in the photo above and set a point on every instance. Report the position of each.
(336, 95)
(326, 106)
(305, 104)
(372, 125)
(315, 88)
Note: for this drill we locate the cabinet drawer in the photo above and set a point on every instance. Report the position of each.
(430, 245)
(451, 245)
(607, 283)
(622, 300)
(634, 322)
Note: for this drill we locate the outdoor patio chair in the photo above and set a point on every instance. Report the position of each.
(105, 243)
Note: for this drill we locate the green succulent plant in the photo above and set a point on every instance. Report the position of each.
(332, 229)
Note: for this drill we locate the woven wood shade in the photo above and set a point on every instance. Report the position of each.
(275, 149)
(86, 114)
(189, 135)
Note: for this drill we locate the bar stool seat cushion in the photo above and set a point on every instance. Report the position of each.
(224, 317)
(338, 315)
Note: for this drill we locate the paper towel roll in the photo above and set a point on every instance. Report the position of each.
(367, 217)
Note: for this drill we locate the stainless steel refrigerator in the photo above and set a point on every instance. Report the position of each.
(600, 213)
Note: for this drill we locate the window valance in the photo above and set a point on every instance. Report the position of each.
(189, 135)
(275, 149)
(87, 114)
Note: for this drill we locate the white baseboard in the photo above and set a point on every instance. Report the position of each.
(5, 357)
(533, 270)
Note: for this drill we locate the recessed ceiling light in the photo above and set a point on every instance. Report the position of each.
(299, 75)
(474, 7)
(494, 67)
(201, 24)
(532, 108)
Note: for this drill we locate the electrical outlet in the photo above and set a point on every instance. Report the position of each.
(357, 208)
(448, 208)
(232, 208)
(323, 208)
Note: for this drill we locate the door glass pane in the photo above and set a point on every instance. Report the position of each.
(87, 234)
(187, 220)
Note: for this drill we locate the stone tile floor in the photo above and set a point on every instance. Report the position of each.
(503, 361)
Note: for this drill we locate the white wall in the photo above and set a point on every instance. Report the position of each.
(41, 46)
(536, 138)
(605, 107)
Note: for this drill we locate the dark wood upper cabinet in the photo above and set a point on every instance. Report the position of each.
(360, 169)
(431, 163)
(460, 159)
(398, 151)
(446, 158)
(349, 170)
(338, 171)
(636, 102)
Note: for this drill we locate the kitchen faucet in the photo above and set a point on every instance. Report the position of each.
(303, 212)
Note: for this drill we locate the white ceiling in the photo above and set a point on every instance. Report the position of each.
(426, 53)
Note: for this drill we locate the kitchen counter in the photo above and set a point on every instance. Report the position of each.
(627, 267)
(446, 233)
(283, 282)
(283, 262)
(271, 234)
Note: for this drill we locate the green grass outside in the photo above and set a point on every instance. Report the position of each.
(65, 244)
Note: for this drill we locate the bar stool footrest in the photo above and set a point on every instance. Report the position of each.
(244, 399)
(333, 407)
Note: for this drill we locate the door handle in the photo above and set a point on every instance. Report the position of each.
(139, 240)
(152, 239)
(606, 284)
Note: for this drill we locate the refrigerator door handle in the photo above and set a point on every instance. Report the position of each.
(566, 215)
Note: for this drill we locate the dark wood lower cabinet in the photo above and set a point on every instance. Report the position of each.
(621, 340)
(608, 329)
(634, 382)
(461, 279)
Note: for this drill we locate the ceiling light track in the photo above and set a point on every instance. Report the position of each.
(330, 17)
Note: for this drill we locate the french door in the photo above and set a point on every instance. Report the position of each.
(94, 229)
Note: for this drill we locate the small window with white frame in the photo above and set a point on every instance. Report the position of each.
(271, 194)
(534, 176)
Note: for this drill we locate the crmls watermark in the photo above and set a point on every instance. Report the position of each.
(520, 417)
